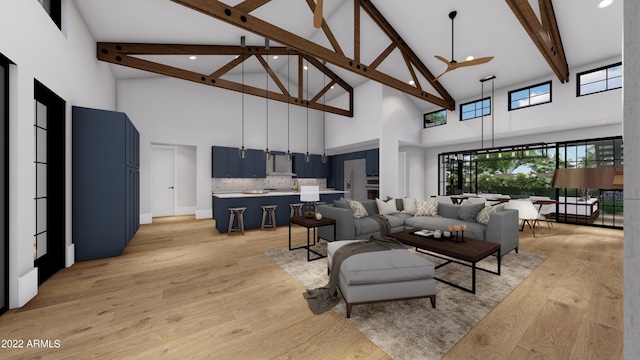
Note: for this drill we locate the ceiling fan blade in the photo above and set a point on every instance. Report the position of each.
(317, 15)
(442, 59)
(475, 61)
(438, 77)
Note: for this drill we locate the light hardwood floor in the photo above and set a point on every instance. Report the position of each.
(183, 291)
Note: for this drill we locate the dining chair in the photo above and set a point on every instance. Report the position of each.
(527, 213)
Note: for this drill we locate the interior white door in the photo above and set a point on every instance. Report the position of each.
(163, 181)
(355, 179)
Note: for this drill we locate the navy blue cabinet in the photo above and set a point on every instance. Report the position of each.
(106, 182)
(254, 165)
(226, 163)
(372, 160)
(314, 168)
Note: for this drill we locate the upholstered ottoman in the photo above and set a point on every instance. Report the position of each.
(383, 276)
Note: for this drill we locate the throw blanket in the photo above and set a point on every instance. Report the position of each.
(326, 297)
(383, 222)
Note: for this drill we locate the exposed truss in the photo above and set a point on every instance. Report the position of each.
(124, 54)
(239, 16)
(544, 34)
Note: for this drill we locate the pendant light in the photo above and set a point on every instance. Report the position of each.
(288, 103)
(267, 154)
(307, 157)
(324, 114)
(243, 152)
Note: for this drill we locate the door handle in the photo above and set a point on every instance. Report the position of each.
(170, 187)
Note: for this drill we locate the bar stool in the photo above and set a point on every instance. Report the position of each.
(315, 206)
(296, 209)
(239, 213)
(268, 216)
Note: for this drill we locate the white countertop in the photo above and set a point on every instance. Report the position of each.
(229, 195)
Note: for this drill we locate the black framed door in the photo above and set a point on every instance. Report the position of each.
(4, 184)
(49, 162)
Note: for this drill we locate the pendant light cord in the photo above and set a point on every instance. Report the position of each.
(267, 78)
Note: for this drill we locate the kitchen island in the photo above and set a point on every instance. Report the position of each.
(254, 200)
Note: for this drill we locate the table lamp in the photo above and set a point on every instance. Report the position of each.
(309, 194)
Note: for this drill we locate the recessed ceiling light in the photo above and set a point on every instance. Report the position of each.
(275, 57)
(192, 57)
(412, 82)
(332, 86)
(604, 3)
(469, 58)
(305, 67)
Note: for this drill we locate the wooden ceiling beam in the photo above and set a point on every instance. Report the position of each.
(244, 20)
(544, 33)
(123, 54)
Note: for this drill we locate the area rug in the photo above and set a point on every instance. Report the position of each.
(412, 329)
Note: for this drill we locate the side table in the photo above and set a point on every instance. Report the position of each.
(310, 223)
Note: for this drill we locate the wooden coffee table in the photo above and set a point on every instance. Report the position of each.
(466, 253)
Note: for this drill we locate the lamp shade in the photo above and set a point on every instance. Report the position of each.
(309, 193)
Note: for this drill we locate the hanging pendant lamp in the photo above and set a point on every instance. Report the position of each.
(288, 103)
(307, 157)
(243, 152)
(267, 154)
(324, 114)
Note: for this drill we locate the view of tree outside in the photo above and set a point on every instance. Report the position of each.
(525, 172)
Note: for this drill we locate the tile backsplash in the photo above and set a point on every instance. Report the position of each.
(270, 182)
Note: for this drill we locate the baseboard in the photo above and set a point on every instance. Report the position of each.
(145, 218)
(27, 287)
(185, 210)
(70, 255)
(204, 214)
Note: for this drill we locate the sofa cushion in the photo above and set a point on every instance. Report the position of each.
(426, 208)
(367, 225)
(385, 266)
(342, 203)
(448, 210)
(470, 212)
(398, 203)
(409, 206)
(484, 214)
(370, 205)
(357, 208)
(386, 207)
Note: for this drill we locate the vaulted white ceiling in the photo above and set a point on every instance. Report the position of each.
(482, 28)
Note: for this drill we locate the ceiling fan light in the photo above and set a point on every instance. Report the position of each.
(604, 3)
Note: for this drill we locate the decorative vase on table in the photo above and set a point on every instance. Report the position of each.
(318, 216)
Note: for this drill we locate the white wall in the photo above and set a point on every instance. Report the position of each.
(416, 174)
(173, 111)
(565, 112)
(66, 65)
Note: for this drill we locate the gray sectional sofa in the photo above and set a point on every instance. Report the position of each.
(502, 227)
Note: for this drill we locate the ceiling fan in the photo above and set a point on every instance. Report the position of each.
(317, 15)
(453, 64)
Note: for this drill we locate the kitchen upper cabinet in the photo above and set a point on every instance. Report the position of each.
(372, 159)
(314, 169)
(254, 165)
(227, 163)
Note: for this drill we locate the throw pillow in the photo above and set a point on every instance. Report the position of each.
(485, 213)
(342, 203)
(409, 206)
(386, 207)
(469, 212)
(426, 208)
(358, 209)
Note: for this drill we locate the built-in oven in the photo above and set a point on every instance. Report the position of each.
(372, 185)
